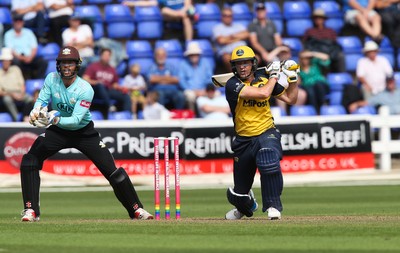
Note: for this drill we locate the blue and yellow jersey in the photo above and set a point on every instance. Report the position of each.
(73, 102)
(251, 117)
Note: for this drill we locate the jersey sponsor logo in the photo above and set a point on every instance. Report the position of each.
(85, 103)
(64, 107)
(254, 103)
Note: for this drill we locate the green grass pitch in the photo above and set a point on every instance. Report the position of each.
(316, 219)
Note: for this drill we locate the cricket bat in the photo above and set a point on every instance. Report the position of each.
(221, 79)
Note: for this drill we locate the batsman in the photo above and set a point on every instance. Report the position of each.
(257, 143)
(69, 125)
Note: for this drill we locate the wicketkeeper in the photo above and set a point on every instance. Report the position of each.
(70, 126)
(257, 142)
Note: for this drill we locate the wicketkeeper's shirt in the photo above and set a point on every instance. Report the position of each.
(73, 102)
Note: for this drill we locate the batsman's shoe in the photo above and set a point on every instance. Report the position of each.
(29, 215)
(234, 214)
(273, 214)
(142, 214)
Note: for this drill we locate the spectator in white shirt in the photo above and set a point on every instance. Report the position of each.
(372, 70)
(213, 105)
(153, 109)
(80, 36)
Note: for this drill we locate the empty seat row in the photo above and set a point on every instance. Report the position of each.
(328, 110)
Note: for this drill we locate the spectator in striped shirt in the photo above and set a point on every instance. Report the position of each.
(320, 38)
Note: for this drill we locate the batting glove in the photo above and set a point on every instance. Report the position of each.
(273, 69)
(290, 65)
(52, 117)
(291, 69)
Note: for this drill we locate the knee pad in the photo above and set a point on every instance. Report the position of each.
(268, 161)
(30, 162)
(124, 191)
(243, 202)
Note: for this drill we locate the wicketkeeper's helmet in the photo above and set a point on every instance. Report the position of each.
(71, 54)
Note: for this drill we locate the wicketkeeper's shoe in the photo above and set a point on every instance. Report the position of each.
(234, 214)
(273, 214)
(29, 215)
(142, 214)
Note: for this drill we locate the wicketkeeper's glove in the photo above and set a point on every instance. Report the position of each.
(291, 69)
(273, 69)
(47, 118)
(35, 114)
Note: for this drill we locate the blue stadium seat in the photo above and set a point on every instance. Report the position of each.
(296, 9)
(149, 22)
(172, 46)
(99, 2)
(120, 22)
(6, 3)
(78, 2)
(117, 13)
(91, 12)
(398, 59)
(97, 115)
(397, 79)
(332, 110)
(139, 49)
(335, 97)
(120, 30)
(332, 8)
(122, 68)
(5, 117)
(296, 27)
(209, 16)
(367, 109)
(241, 13)
(295, 44)
(140, 114)
(5, 16)
(336, 81)
(273, 10)
(145, 64)
(302, 110)
(33, 84)
(351, 60)
(51, 66)
(121, 115)
(98, 30)
(350, 44)
(205, 28)
(208, 11)
(49, 51)
(335, 23)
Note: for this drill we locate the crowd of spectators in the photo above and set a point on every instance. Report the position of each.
(150, 91)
